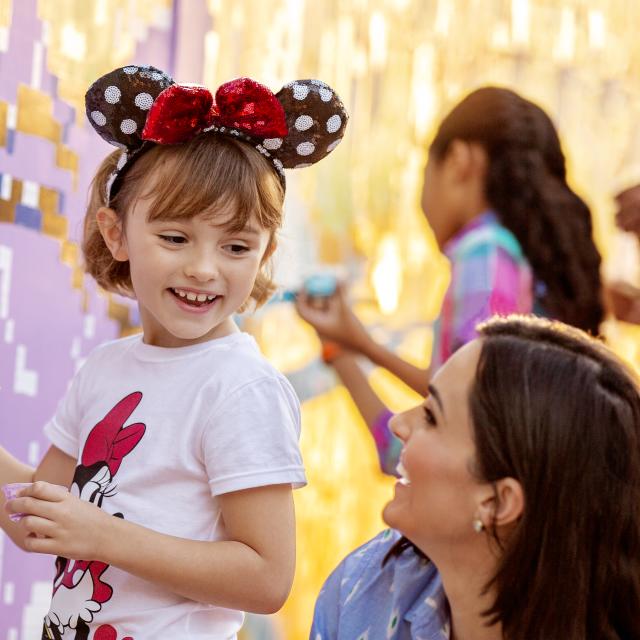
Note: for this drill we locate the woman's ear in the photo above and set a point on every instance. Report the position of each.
(504, 507)
(112, 232)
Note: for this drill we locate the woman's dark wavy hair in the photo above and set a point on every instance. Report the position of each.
(527, 188)
(557, 411)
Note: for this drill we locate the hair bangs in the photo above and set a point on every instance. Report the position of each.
(213, 176)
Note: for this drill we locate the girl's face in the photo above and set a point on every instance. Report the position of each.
(190, 275)
(437, 500)
(435, 200)
(453, 191)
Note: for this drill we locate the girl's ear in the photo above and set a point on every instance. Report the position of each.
(504, 507)
(457, 160)
(466, 159)
(111, 230)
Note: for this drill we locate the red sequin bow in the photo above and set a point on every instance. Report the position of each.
(182, 111)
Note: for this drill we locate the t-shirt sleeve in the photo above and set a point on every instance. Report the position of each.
(251, 438)
(484, 282)
(63, 430)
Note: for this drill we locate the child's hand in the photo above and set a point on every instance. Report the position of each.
(335, 321)
(59, 523)
(628, 214)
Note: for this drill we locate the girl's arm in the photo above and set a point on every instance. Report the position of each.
(374, 412)
(251, 571)
(56, 467)
(353, 378)
(335, 320)
(414, 377)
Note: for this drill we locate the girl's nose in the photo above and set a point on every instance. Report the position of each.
(201, 267)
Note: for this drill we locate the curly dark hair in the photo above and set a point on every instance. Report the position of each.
(526, 186)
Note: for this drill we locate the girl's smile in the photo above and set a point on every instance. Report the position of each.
(194, 301)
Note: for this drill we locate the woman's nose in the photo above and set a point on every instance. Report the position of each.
(399, 426)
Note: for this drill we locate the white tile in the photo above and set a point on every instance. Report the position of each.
(33, 453)
(89, 327)
(5, 186)
(76, 348)
(25, 381)
(30, 194)
(4, 38)
(36, 65)
(9, 593)
(6, 260)
(12, 116)
(9, 330)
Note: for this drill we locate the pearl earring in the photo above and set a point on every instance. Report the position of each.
(478, 526)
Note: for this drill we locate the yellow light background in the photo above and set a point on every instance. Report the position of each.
(399, 65)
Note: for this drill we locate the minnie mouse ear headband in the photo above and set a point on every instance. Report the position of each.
(136, 107)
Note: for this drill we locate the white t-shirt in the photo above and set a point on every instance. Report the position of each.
(158, 434)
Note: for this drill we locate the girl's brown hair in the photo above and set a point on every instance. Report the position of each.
(207, 173)
(526, 185)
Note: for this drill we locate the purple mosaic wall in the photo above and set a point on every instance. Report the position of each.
(47, 326)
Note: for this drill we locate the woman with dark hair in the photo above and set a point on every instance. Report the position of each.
(517, 515)
(519, 240)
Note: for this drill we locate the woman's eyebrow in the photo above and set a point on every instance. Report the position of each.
(434, 392)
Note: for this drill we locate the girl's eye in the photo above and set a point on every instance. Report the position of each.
(429, 417)
(237, 248)
(173, 239)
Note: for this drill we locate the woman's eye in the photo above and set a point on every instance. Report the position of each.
(429, 417)
(173, 239)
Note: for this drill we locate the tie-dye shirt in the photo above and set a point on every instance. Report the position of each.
(489, 275)
(363, 600)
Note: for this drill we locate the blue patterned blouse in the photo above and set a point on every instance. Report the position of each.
(362, 600)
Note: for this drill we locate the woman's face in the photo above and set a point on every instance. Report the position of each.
(437, 499)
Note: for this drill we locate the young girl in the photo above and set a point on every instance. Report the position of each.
(517, 237)
(185, 434)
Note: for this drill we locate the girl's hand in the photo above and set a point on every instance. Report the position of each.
(333, 319)
(628, 214)
(624, 301)
(59, 523)
(628, 219)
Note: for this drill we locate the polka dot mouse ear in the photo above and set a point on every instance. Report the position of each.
(137, 107)
(118, 103)
(316, 120)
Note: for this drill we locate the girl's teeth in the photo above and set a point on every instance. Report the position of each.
(194, 297)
